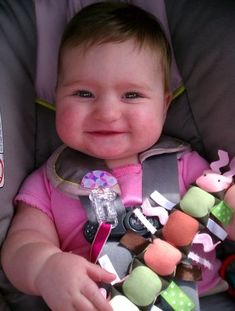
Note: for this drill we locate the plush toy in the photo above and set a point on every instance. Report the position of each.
(222, 186)
(209, 204)
(162, 257)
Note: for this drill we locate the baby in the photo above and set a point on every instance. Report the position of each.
(112, 98)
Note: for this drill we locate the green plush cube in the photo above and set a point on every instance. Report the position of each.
(197, 202)
(142, 286)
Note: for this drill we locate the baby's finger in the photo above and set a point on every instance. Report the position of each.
(98, 274)
(83, 304)
(93, 294)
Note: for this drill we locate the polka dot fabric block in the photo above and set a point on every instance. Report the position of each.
(222, 212)
(177, 299)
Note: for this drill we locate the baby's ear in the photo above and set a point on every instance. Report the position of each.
(168, 99)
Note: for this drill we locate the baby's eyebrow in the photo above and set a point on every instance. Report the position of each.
(73, 83)
(134, 86)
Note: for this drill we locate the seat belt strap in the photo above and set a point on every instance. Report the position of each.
(161, 173)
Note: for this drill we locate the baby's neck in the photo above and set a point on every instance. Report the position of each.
(115, 163)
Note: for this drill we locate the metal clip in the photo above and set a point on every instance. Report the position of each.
(102, 200)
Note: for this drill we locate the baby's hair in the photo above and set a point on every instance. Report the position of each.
(115, 22)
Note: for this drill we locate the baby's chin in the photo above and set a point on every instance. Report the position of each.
(114, 156)
(122, 161)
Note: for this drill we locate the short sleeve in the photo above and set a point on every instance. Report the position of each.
(191, 165)
(36, 191)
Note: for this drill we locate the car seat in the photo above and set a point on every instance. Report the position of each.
(202, 113)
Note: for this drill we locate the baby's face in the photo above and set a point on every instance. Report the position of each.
(111, 101)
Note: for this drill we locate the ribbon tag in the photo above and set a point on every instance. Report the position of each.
(195, 257)
(106, 264)
(1, 155)
(159, 211)
(216, 229)
(177, 299)
(100, 239)
(145, 221)
(161, 200)
(222, 212)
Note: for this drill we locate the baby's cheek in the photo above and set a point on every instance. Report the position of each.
(148, 131)
(67, 125)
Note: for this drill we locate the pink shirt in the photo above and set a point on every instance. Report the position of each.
(69, 216)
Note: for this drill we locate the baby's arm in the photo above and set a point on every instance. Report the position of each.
(35, 264)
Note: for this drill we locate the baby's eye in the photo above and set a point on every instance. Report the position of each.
(132, 95)
(83, 93)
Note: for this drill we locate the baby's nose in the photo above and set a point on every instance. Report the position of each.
(107, 110)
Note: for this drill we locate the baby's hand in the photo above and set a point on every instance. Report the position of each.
(68, 282)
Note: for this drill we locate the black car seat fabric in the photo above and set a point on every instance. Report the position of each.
(202, 34)
(203, 42)
(17, 72)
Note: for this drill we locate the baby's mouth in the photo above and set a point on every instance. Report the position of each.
(105, 133)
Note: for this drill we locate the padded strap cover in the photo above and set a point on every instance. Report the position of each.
(67, 167)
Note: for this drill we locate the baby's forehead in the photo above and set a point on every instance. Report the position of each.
(128, 48)
(121, 53)
(85, 44)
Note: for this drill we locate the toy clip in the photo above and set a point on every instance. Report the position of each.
(102, 200)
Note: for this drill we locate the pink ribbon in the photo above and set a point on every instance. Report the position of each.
(99, 241)
(160, 212)
(206, 240)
